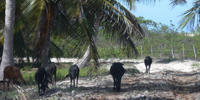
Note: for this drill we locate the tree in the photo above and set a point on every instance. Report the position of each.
(191, 16)
(7, 58)
(40, 16)
(76, 19)
(113, 4)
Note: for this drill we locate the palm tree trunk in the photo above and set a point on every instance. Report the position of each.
(7, 57)
(87, 56)
(85, 60)
(45, 52)
(51, 15)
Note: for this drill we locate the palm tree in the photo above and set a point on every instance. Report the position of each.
(191, 16)
(20, 49)
(110, 28)
(7, 58)
(77, 19)
(40, 22)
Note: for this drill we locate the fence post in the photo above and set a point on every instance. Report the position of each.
(195, 55)
(141, 52)
(183, 51)
(161, 51)
(172, 51)
(151, 51)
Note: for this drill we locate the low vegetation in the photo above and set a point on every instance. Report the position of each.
(61, 72)
(196, 65)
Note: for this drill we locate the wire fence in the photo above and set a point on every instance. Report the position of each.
(169, 51)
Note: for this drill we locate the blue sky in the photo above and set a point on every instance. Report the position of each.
(161, 11)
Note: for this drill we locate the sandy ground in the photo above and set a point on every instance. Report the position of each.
(164, 65)
(168, 80)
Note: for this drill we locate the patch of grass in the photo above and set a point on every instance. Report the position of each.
(61, 72)
(29, 77)
(9, 94)
(27, 68)
(167, 60)
(132, 71)
(128, 64)
(84, 72)
(67, 90)
(93, 72)
(196, 65)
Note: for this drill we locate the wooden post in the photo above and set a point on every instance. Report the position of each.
(183, 51)
(151, 51)
(141, 52)
(172, 51)
(161, 51)
(195, 55)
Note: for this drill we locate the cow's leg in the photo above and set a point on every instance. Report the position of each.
(51, 80)
(77, 78)
(8, 83)
(146, 69)
(119, 84)
(74, 82)
(55, 78)
(149, 68)
(39, 88)
(70, 81)
(4, 81)
(114, 84)
(77, 82)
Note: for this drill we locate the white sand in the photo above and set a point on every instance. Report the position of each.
(178, 65)
(157, 65)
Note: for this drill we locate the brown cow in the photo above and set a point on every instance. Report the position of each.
(12, 72)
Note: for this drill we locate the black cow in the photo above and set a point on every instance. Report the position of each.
(73, 73)
(117, 71)
(148, 62)
(51, 70)
(41, 79)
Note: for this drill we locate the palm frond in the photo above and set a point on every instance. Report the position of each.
(32, 14)
(178, 2)
(2, 5)
(131, 18)
(72, 7)
(89, 33)
(55, 51)
(116, 21)
(191, 16)
(2, 14)
(18, 16)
